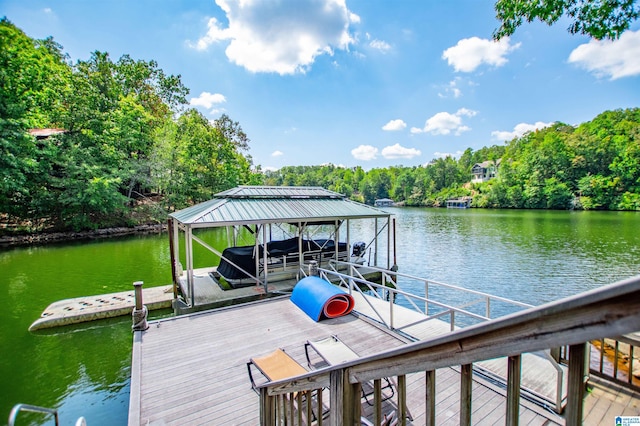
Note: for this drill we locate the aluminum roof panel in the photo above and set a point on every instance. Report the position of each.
(274, 204)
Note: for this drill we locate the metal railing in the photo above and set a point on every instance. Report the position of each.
(18, 408)
(571, 321)
(389, 289)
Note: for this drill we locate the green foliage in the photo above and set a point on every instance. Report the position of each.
(593, 166)
(127, 138)
(598, 19)
(122, 140)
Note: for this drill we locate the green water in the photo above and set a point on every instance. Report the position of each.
(531, 256)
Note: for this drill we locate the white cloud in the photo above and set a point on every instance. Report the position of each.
(280, 37)
(398, 151)
(269, 169)
(380, 45)
(365, 153)
(444, 123)
(207, 100)
(395, 125)
(452, 89)
(613, 59)
(518, 131)
(472, 52)
(277, 153)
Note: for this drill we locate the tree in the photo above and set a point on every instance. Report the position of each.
(33, 79)
(232, 131)
(121, 137)
(599, 19)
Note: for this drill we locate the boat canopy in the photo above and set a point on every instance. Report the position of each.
(274, 204)
(257, 208)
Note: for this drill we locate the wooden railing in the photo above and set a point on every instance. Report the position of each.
(613, 359)
(613, 310)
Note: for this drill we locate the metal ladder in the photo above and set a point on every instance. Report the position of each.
(35, 409)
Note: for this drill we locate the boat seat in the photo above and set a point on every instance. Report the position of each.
(334, 351)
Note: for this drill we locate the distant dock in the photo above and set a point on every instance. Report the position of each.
(90, 308)
(459, 203)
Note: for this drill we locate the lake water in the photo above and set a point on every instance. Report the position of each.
(529, 256)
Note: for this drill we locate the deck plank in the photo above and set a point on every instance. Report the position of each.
(191, 369)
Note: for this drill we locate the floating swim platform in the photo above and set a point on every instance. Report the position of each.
(90, 308)
(320, 299)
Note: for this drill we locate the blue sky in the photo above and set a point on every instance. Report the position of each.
(367, 82)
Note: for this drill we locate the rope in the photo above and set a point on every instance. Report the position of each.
(140, 319)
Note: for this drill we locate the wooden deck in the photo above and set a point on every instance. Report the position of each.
(209, 294)
(192, 369)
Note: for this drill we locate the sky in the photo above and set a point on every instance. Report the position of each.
(370, 83)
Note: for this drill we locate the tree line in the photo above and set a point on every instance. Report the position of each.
(127, 149)
(595, 165)
(124, 147)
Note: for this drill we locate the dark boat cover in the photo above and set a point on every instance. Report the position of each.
(244, 256)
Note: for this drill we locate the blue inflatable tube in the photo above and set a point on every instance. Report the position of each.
(320, 299)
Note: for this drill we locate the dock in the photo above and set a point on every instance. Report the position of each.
(91, 308)
(192, 369)
(459, 203)
(210, 293)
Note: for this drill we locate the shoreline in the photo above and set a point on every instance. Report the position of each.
(7, 241)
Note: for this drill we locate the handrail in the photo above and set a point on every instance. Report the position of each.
(36, 409)
(449, 310)
(31, 408)
(615, 360)
(450, 286)
(350, 280)
(608, 311)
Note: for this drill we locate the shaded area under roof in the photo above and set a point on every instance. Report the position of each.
(270, 204)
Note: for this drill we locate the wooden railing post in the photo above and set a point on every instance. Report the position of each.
(267, 408)
(430, 398)
(466, 380)
(377, 401)
(514, 367)
(402, 400)
(344, 399)
(336, 398)
(575, 389)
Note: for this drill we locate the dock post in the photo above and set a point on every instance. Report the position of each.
(313, 268)
(139, 313)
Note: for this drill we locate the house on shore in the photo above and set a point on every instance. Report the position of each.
(484, 171)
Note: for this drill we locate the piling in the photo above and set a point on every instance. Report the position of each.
(139, 313)
(313, 268)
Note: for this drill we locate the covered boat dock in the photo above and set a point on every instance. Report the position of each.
(315, 225)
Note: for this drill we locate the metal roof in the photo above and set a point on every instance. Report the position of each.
(279, 192)
(265, 204)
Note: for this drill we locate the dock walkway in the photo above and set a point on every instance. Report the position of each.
(539, 376)
(192, 369)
